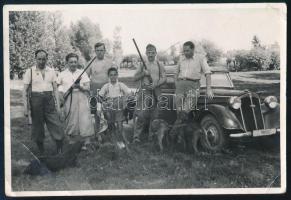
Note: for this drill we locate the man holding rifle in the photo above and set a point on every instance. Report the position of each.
(151, 75)
(76, 107)
(42, 81)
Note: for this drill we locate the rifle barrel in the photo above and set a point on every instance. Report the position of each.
(143, 62)
(139, 53)
(78, 79)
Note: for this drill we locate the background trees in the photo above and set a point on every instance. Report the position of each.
(83, 35)
(26, 33)
(259, 57)
(31, 30)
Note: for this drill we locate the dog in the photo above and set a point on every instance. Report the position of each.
(186, 132)
(159, 129)
(193, 132)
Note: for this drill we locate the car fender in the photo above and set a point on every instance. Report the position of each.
(271, 116)
(224, 116)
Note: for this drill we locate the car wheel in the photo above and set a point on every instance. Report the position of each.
(213, 138)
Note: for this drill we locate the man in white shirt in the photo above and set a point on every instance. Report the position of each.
(189, 71)
(76, 106)
(44, 110)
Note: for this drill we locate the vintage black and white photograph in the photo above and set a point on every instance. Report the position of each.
(145, 99)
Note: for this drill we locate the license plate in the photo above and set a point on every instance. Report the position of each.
(264, 132)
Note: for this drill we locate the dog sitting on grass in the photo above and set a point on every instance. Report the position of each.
(186, 132)
(158, 132)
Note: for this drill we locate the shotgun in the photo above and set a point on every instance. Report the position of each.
(157, 90)
(143, 62)
(77, 81)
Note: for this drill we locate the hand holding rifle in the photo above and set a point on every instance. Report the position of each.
(76, 84)
(145, 71)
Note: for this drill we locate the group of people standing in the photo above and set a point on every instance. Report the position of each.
(70, 115)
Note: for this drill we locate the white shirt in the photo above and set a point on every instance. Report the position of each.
(66, 78)
(114, 90)
(40, 84)
(192, 68)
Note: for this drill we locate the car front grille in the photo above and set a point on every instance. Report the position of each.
(251, 112)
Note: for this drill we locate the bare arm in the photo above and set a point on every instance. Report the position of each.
(85, 87)
(89, 72)
(163, 77)
(177, 72)
(208, 86)
(207, 71)
(139, 74)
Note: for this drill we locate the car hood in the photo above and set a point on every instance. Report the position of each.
(225, 92)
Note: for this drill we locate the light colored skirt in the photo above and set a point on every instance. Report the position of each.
(79, 120)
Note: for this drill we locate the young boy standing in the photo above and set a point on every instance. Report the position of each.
(115, 94)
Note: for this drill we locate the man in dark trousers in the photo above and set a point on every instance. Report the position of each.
(188, 74)
(150, 79)
(44, 101)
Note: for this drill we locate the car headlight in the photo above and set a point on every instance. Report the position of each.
(235, 102)
(271, 102)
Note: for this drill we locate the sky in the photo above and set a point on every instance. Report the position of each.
(229, 27)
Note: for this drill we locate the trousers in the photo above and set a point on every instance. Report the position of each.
(187, 94)
(146, 110)
(43, 111)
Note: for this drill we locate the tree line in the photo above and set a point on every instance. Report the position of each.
(31, 30)
(259, 57)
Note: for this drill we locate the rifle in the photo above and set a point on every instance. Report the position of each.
(143, 62)
(77, 81)
(157, 91)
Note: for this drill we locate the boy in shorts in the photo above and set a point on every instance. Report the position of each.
(114, 94)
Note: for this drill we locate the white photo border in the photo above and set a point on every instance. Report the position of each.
(7, 138)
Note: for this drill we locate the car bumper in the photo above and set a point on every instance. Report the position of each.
(256, 133)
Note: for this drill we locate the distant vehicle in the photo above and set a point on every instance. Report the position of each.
(231, 113)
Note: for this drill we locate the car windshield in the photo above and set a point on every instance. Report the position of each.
(218, 79)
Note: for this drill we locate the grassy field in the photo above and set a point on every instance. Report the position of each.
(245, 163)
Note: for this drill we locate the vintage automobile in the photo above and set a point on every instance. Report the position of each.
(231, 113)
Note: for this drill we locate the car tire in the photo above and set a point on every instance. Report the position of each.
(213, 139)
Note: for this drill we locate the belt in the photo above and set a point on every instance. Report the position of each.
(44, 92)
(189, 79)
